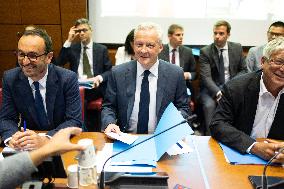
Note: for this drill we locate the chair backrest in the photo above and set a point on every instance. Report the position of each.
(82, 95)
(0, 97)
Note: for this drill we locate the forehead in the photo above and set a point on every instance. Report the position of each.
(178, 31)
(83, 26)
(146, 36)
(279, 53)
(31, 43)
(276, 29)
(220, 29)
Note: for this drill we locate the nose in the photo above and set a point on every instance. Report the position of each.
(26, 60)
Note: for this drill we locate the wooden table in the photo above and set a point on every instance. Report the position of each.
(205, 167)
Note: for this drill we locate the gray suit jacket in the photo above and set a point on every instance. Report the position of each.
(187, 61)
(119, 100)
(234, 117)
(101, 62)
(16, 169)
(209, 66)
(63, 102)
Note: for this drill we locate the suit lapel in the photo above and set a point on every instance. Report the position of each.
(130, 80)
(181, 59)
(161, 85)
(77, 50)
(166, 55)
(51, 92)
(215, 56)
(23, 90)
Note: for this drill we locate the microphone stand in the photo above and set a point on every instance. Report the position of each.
(264, 178)
(102, 176)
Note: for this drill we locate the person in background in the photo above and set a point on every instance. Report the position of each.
(37, 96)
(126, 52)
(139, 91)
(253, 59)
(219, 62)
(252, 107)
(16, 169)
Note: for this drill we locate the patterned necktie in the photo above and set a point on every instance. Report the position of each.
(221, 66)
(86, 64)
(174, 56)
(143, 115)
(40, 111)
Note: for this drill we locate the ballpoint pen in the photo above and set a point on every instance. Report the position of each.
(25, 126)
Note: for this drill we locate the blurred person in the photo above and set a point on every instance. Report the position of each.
(126, 52)
(253, 59)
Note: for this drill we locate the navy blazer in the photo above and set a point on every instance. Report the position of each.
(101, 62)
(209, 66)
(186, 58)
(234, 117)
(119, 100)
(63, 102)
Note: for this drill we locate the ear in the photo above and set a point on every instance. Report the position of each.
(161, 47)
(263, 60)
(49, 57)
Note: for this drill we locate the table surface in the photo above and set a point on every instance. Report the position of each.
(205, 167)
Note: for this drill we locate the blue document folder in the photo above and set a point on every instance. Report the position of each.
(149, 152)
(236, 157)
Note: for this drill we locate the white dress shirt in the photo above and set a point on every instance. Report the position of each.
(153, 79)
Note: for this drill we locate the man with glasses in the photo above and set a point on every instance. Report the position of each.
(252, 107)
(88, 59)
(139, 91)
(37, 95)
(253, 59)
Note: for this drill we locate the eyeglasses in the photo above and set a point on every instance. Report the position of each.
(277, 62)
(150, 46)
(84, 30)
(276, 34)
(30, 55)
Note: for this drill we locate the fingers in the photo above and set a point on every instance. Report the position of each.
(112, 128)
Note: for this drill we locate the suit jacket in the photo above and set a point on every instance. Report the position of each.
(15, 170)
(209, 66)
(101, 62)
(234, 117)
(63, 102)
(119, 100)
(186, 58)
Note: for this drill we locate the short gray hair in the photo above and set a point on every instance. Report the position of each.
(150, 26)
(272, 46)
(83, 21)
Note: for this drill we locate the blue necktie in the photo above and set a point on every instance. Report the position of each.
(143, 115)
(40, 111)
(221, 66)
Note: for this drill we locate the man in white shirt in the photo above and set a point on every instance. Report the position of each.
(252, 107)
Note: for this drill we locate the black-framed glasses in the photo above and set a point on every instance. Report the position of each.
(277, 62)
(84, 30)
(30, 55)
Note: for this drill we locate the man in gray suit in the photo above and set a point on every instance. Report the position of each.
(219, 62)
(128, 100)
(252, 107)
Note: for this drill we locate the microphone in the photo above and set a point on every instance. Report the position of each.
(102, 176)
(264, 178)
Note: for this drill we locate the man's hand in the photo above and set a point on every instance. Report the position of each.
(266, 150)
(72, 34)
(112, 128)
(97, 81)
(187, 75)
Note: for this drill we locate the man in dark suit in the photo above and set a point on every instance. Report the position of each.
(37, 95)
(252, 107)
(88, 59)
(216, 68)
(125, 101)
(182, 55)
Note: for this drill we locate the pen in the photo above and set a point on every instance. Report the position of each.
(179, 145)
(25, 126)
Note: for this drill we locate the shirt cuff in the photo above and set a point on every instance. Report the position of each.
(249, 148)
(100, 78)
(7, 141)
(67, 44)
(44, 135)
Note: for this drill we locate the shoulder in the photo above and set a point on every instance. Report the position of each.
(121, 68)
(169, 68)
(12, 73)
(61, 72)
(207, 48)
(99, 46)
(234, 45)
(243, 80)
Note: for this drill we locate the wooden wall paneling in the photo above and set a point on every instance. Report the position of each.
(8, 36)
(71, 10)
(40, 11)
(10, 12)
(54, 31)
(7, 61)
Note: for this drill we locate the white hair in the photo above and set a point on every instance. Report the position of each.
(272, 46)
(150, 26)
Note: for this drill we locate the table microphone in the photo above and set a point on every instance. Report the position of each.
(102, 175)
(264, 178)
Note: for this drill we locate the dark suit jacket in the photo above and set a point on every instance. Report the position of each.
(187, 61)
(62, 101)
(119, 100)
(209, 66)
(101, 62)
(234, 117)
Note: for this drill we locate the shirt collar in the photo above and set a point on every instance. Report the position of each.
(225, 47)
(171, 48)
(89, 45)
(42, 81)
(153, 69)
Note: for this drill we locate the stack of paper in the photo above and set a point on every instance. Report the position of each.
(87, 84)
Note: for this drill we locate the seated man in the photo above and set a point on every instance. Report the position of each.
(139, 91)
(252, 107)
(37, 95)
